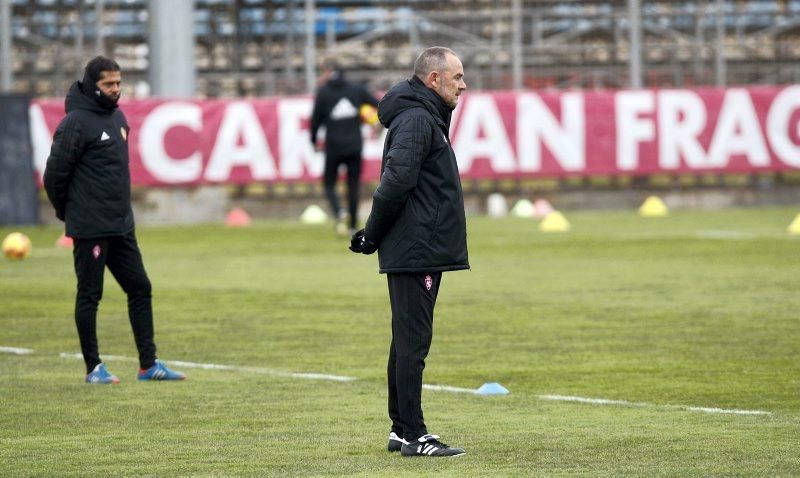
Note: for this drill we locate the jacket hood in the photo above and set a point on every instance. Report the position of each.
(78, 100)
(337, 80)
(412, 93)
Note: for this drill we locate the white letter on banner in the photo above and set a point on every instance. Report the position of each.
(240, 120)
(41, 138)
(780, 113)
(480, 114)
(151, 142)
(737, 132)
(537, 124)
(679, 136)
(296, 149)
(373, 144)
(631, 129)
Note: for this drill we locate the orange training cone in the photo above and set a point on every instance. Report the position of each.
(237, 218)
(541, 208)
(64, 242)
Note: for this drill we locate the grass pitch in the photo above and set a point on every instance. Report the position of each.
(698, 309)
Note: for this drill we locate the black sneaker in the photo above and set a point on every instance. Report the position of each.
(429, 445)
(395, 442)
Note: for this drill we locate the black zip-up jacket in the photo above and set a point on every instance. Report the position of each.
(417, 218)
(87, 178)
(337, 106)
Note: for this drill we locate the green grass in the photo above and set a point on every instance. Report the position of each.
(696, 309)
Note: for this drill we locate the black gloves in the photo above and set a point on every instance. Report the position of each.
(361, 245)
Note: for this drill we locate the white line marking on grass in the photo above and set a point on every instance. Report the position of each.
(234, 368)
(725, 410)
(117, 358)
(435, 388)
(605, 401)
(16, 350)
(448, 388)
(323, 376)
(595, 401)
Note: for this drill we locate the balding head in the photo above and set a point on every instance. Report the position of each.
(432, 59)
(440, 70)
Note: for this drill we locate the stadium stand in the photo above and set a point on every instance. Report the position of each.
(246, 48)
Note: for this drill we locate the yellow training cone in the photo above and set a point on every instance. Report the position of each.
(794, 227)
(653, 207)
(554, 222)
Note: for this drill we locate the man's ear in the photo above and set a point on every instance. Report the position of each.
(433, 79)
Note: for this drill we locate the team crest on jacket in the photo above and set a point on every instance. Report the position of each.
(96, 251)
(123, 133)
(428, 282)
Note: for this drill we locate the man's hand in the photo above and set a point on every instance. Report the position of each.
(361, 245)
(355, 241)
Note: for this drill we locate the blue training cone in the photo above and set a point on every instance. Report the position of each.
(492, 388)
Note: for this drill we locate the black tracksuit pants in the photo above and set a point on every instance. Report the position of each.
(413, 297)
(353, 163)
(121, 255)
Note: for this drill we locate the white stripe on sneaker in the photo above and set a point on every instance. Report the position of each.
(393, 437)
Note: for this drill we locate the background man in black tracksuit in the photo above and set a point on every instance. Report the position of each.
(337, 106)
(88, 182)
(417, 224)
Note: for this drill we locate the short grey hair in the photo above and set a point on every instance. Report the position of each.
(432, 59)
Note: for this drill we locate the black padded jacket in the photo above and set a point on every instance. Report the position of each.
(87, 177)
(417, 218)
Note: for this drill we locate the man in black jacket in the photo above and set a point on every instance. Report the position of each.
(337, 107)
(88, 182)
(418, 226)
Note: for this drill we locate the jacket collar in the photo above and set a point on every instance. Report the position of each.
(432, 101)
(77, 99)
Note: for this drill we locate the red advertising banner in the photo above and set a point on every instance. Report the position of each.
(494, 134)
